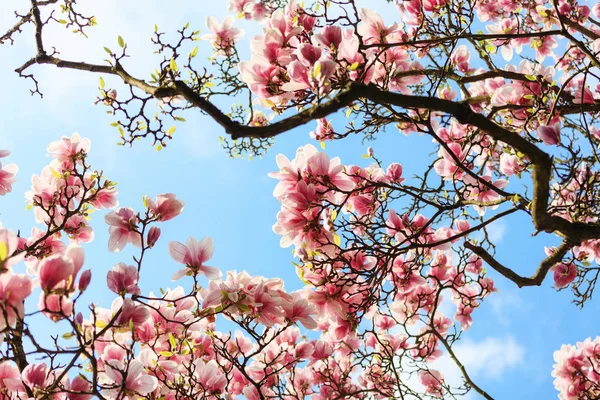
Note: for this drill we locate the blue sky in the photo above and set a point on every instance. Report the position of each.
(509, 349)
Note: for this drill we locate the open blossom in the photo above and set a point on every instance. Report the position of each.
(460, 58)
(122, 229)
(131, 379)
(550, 135)
(165, 207)
(66, 148)
(123, 279)
(106, 198)
(223, 34)
(7, 178)
(372, 27)
(194, 254)
(14, 289)
(130, 312)
(330, 37)
(36, 376)
(324, 130)
(510, 164)
(210, 376)
(299, 310)
(564, 274)
(56, 273)
(432, 380)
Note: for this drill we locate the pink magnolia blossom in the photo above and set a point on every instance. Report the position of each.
(58, 272)
(394, 173)
(130, 312)
(79, 388)
(7, 178)
(324, 130)
(106, 198)
(224, 34)
(299, 310)
(55, 306)
(372, 27)
(433, 381)
(510, 164)
(14, 289)
(330, 37)
(564, 274)
(460, 58)
(153, 236)
(9, 379)
(165, 207)
(36, 376)
(67, 148)
(194, 254)
(122, 229)
(210, 376)
(123, 279)
(131, 379)
(550, 135)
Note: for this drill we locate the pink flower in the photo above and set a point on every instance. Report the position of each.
(13, 291)
(136, 383)
(210, 376)
(7, 178)
(510, 164)
(65, 149)
(84, 280)
(564, 274)
(324, 130)
(10, 379)
(153, 235)
(432, 380)
(394, 173)
(460, 58)
(55, 306)
(106, 198)
(123, 279)
(80, 387)
(122, 229)
(4, 153)
(550, 135)
(224, 35)
(299, 310)
(166, 206)
(194, 254)
(372, 29)
(78, 229)
(330, 37)
(36, 375)
(130, 312)
(56, 273)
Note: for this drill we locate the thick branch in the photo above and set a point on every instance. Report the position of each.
(541, 161)
(537, 278)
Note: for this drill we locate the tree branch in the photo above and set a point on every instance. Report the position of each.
(537, 278)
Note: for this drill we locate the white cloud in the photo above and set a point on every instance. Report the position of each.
(496, 230)
(483, 360)
(503, 303)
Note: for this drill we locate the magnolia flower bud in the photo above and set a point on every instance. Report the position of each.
(153, 235)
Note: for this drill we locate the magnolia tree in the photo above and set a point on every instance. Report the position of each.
(506, 90)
